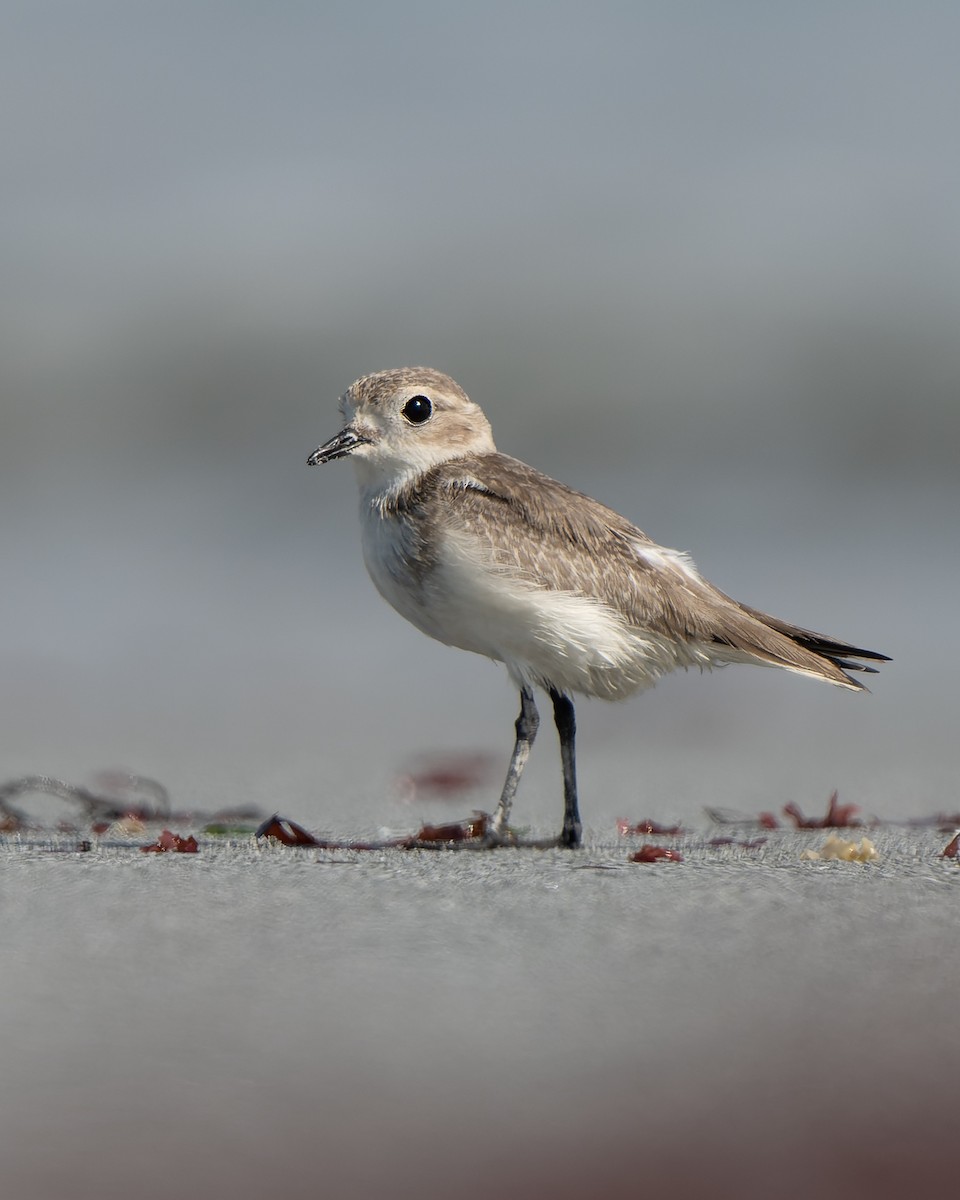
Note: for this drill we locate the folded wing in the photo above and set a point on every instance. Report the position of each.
(553, 537)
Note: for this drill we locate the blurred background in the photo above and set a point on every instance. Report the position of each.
(699, 260)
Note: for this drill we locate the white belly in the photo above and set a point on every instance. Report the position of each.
(552, 639)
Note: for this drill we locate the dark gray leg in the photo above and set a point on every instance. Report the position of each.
(567, 728)
(527, 725)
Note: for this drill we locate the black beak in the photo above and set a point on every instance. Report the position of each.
(346, 441)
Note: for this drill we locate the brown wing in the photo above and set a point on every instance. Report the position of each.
(559, 539)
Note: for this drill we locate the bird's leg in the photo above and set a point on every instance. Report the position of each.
(567, 728)
(527, 725)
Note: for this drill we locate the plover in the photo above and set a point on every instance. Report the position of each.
(480, 551)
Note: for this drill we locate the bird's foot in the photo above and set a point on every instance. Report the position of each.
(499, 835)
(571, 837)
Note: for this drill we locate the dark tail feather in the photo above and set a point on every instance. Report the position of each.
(841, 654)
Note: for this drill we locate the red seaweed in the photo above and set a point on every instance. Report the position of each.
(471, 830)
(169, 842)
(952, 848)
(649, 854)
(838, 816)
(282, 829)
(625, 829)
(457, 831)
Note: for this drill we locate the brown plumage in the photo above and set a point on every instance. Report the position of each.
(561, 540)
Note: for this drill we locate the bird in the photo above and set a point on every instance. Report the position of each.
(483, 552)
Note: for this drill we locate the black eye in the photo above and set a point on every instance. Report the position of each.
(417, 410)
